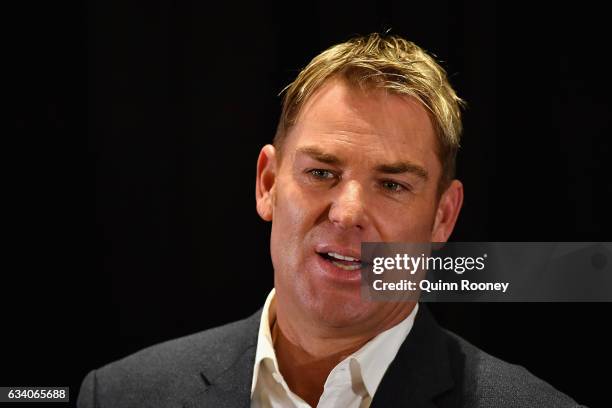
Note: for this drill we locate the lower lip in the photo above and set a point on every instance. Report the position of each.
(336, 273)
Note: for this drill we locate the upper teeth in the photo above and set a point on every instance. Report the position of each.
(342, 257)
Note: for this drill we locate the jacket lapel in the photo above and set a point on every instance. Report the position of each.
(228, 383)
(420, 371)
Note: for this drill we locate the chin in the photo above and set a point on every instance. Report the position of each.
(339, 310)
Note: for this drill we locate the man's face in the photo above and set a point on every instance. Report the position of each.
(357, 166)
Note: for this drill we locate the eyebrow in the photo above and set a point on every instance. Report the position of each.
(321, 156)
(391, 168)
(403, 167)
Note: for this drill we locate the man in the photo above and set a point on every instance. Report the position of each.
(365, 151)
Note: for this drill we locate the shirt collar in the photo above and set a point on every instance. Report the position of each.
(372, 359)
(376, 355)
(265, 346)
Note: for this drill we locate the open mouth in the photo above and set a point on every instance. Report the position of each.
(341, 261)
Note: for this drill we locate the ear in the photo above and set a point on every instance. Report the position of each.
(264, 183)
(449, 206)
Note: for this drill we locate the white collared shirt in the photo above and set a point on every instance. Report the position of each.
(352, 383)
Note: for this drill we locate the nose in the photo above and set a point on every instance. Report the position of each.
(348, 209)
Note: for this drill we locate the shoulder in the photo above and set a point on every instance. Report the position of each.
(487, 381)
(157, 374)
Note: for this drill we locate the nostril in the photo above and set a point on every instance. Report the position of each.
(346, 216)
(346, 221)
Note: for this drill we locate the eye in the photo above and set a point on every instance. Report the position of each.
(393, 187)
(321, 174)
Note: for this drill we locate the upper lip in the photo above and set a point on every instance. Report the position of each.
(338, 249)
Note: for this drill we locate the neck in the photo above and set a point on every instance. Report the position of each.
(307, 353)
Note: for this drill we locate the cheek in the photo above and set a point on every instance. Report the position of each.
(289, 213)
(291, 222)
(297, 208)
(412, 223)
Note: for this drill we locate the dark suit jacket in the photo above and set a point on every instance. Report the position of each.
(214, 368)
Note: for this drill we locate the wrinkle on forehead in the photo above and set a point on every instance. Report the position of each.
(373, 125)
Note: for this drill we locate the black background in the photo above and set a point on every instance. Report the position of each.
(129, 179)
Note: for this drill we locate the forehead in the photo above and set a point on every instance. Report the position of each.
(374, 123)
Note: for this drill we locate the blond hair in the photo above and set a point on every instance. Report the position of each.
(391, 63)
